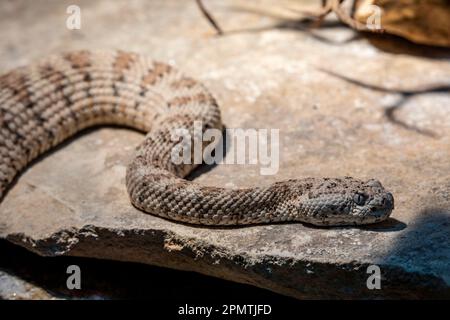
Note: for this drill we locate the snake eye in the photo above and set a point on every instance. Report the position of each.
(359, 199)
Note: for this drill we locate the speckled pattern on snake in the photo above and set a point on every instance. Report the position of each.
(46, 102)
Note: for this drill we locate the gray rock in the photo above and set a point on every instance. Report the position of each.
(73, 201)
(14, 288)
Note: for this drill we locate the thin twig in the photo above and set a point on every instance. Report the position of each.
(209, 17)
(327, 7)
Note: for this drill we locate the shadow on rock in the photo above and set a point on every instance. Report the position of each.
(105, 279)
(420, 257)
(405, 95)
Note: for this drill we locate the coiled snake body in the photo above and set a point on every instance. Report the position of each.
(46, 102)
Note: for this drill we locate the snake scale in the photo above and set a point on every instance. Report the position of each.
(50, 100)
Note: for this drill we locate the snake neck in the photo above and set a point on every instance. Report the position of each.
(158, 191)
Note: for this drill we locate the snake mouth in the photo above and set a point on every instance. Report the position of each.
(378, 215)
(382, 210)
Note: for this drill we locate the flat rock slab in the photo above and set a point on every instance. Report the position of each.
(73, 201)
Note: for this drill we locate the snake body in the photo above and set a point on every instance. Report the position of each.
(46, 102)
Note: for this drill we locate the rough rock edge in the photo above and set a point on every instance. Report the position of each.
(291, 277)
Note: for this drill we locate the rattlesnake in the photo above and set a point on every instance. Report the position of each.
(46, 102)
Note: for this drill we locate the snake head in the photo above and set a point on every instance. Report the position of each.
(371, 202)
(346, 201)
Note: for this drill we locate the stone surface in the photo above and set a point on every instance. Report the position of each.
(14, 288)
(266, 73)
(25, 275)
